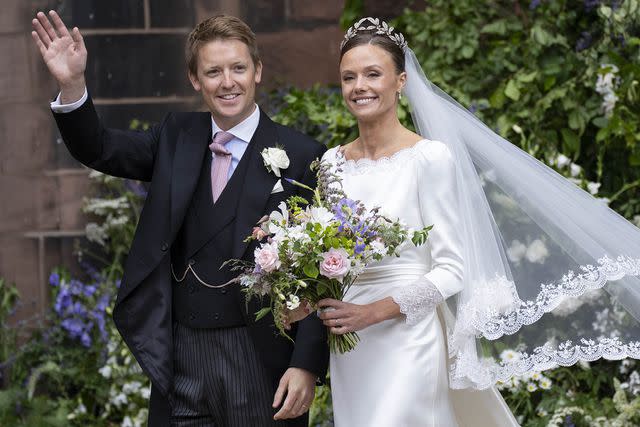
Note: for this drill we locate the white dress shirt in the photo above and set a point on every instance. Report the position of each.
(242, 132)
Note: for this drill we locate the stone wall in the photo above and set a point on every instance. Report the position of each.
(135, 70)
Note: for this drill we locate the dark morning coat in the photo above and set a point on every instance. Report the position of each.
(169, 156)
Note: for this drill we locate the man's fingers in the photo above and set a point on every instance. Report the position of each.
(41, 46)
(277, 398)
(287, 408)
(59, 25)
(44, 21)
(77, 37)
(42, 34)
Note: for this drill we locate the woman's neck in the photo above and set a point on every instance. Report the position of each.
(379, 136)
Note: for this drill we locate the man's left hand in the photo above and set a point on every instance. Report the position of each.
(299, 387)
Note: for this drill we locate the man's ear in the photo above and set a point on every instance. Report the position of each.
(258, 72)
(194, 81)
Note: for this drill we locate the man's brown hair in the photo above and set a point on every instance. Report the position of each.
(220, 27)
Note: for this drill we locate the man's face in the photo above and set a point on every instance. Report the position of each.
(227, 79)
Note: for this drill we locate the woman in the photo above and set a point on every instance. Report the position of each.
(523, 271)
(397, 375)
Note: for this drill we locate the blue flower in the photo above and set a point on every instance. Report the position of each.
(54, 279)
(103, 303)
(85, 339)
(63, 301)
(89, 290)
(591, 4)
(360, 246)
(584, 42)
(343, 211)
(534, 4)
(74, 326)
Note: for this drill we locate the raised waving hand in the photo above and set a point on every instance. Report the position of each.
(63, 52)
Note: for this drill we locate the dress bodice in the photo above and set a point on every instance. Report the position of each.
(414, 185)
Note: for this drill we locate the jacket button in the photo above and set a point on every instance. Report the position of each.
(192, 289)
(224, 291)
(216, 316)
(192, 317)
(164, 247)
(192, 261)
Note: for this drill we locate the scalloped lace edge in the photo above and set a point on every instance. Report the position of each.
(467, 371)
(484, 319)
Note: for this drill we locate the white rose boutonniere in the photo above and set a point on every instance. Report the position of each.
(275, 159)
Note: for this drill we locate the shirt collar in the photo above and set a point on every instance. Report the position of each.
(243, 130)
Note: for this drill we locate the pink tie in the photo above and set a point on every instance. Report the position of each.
(220, 163)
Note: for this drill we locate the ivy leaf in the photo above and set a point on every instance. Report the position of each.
(512, 90)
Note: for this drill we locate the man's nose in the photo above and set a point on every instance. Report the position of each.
(227, 81)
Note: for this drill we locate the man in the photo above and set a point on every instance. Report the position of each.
(209, 361)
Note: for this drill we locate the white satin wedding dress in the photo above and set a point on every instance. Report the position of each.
(397, 376)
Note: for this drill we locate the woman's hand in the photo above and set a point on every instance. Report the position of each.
(347, 317)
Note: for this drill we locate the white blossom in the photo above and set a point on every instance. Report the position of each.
(537, 252)
(593, 187)
(562, 161)
(516, 251)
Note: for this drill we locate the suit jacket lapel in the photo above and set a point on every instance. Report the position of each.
(257, 185)
(191, 147)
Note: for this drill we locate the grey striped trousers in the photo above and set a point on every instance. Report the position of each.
(219, 380)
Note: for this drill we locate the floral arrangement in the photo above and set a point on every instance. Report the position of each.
(311, 251)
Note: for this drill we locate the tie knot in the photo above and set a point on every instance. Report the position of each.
(219, 141)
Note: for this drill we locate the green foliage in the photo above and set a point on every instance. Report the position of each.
(533, 67)
(8, 299)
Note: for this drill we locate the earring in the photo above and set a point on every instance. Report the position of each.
(399, 95)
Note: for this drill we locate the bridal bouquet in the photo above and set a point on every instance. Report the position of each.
(311, 251)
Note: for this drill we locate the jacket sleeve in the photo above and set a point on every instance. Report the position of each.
(123, 153)
(311, 351)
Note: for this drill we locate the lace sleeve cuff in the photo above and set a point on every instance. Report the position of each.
(417, 300)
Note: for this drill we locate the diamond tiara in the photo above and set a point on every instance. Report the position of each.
(380, 27)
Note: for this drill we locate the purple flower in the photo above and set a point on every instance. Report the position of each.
(344, 209)
(103, 303)
(85, 339)
(584, 42)
(591, 4)
(54, 279)
(89, 290)
(74, 326)
(63, 301)
(76, 287)
(136, 188)
(534, 4)
(360, 246)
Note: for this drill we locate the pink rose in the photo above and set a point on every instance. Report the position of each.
(335, 264)
(266, 256)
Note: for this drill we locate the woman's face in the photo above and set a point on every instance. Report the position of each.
(370, 82)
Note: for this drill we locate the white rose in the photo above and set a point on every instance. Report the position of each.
(275, 159)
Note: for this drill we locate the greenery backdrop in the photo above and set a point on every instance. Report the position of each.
(558, 78)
